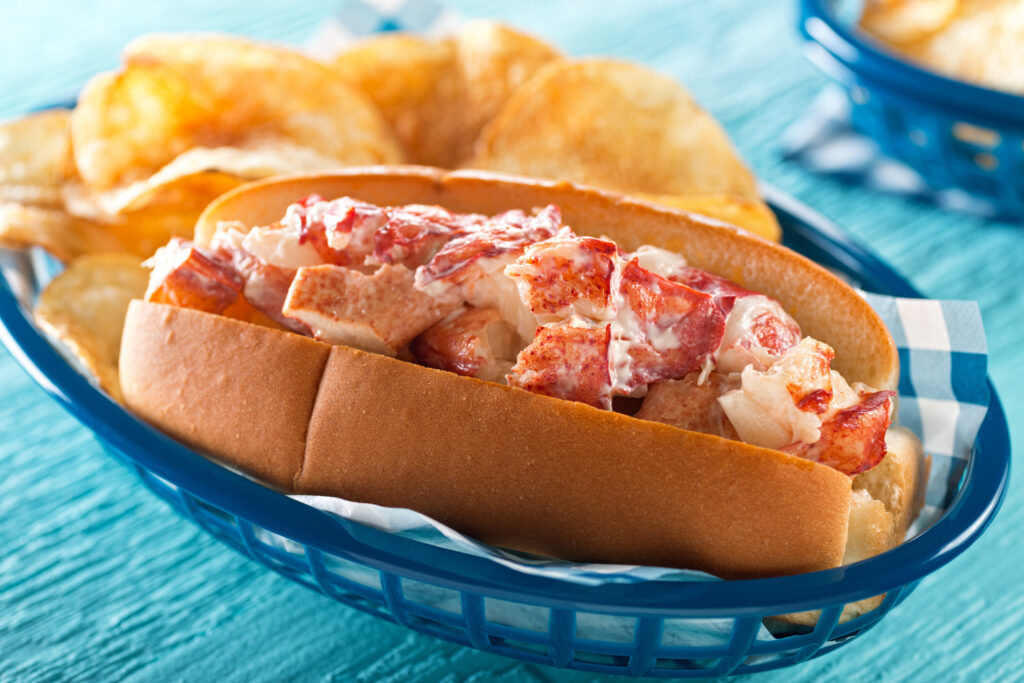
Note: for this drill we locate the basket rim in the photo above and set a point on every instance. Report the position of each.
(867, 61)
(985, 481)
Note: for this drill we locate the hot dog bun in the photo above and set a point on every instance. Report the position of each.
(507, 466)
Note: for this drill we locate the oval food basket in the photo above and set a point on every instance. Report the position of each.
(961, 138)
(391, 577)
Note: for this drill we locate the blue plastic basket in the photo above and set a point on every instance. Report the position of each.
(957, 136)
(388, 576)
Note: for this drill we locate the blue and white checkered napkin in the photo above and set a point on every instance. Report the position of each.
(824, 141)
(943, 390)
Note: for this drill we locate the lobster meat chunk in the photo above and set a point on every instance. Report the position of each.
(488, 248)
(567, 362)
(788, 402)
(853, 440)
(656, 328)
(566, 276)
(667, 329)
(757, 332)
(189, 277)
(690, 404)
(380, 313)
(266, 285)
(476, 342)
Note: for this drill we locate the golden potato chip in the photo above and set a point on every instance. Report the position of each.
(84, 307)
(438, 96)
(34, 157)
(141, 232)
(982, 42)
(904, 21)
(64, 236)
(171, 212)
(613, 125)
(212, 171)
(494, 61)
(412, 81)
(750, 214)
(179, 92)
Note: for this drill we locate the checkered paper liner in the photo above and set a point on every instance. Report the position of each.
(942, 393)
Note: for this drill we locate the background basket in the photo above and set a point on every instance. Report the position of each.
(468, 599)
(959, 137)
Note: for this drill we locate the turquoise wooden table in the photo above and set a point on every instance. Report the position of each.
(100, 581)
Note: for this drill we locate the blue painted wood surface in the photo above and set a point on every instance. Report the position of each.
(100, 581)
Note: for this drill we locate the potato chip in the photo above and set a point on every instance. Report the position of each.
(613, 125)
(175, 93)
(904, 21)
(411, 80)
(437, 96)
(84, 307)
(34, 157)
(64, 236)
(171, 212)
(221, 169)
(750, 214)
(982, 42)
(142, 232)
(494, 61)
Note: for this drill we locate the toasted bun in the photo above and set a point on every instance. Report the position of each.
(506, 466)
(509, 467)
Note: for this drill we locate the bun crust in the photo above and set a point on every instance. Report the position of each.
(223, 386)
(558, 478)
(504, 465)
(501, 464)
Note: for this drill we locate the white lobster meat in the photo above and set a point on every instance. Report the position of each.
(799, 404)
(476, 342)
(620, 325)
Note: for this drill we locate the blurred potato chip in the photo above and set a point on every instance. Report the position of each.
(750, 214)
(34, 157)
(211, 171)
(65, 237)
(494, 61)
(980, 41)
(142, 232)
(179, 92)
(614, 125)
(438, 95)
(84, 307)
(411, 80)
(904, 21)
(171, 212)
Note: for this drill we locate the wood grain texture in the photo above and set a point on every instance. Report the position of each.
(100, 581)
